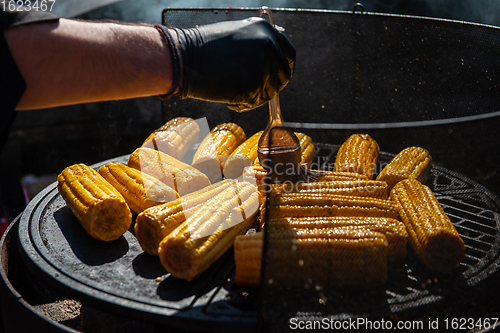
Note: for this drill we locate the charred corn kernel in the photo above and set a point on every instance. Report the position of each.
(182, 177)
(243, 156)
(307, 148)
(155, 223)
(430, 232)
(198, 242)
(216, 147)
(336, 176)
(367, 188)
(393, 229)
(248, 259)
(97, 205)
(139, 190)
(307, 204)
(340, 257)
(359, 153)
(410, 163)
(175, 138)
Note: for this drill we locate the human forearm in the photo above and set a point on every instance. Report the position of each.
(68, 62)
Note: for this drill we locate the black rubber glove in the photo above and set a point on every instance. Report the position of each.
(241, 63)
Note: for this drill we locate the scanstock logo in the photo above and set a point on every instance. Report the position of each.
(175, 149)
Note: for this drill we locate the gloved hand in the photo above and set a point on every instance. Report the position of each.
(241, 63)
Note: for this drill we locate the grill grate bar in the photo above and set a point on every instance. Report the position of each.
(478, 243)
(466, 228)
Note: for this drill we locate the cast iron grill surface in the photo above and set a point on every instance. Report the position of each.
(119, 277)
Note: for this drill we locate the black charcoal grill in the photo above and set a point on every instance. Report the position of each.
(405, 81)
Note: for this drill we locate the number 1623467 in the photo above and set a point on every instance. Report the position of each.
(27, 5)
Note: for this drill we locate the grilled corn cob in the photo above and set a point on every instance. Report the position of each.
(248, 259)
(340, 257)
(243, 156)
(257, 174)
(254, 174)
(394, 230)
(367, 188)
(175, 137)
(359, 153)
(182, 177)
(430, 232)
(306, 204)
(155, 223)
(410, 163)
(328, 176)
(213, 151)
(139, 190)
(193, 246)
(98, 206)
(307, 149)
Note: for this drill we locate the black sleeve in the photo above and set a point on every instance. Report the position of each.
(12, 85)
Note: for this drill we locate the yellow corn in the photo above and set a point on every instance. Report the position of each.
(215, 148)
(255, 174)
(248, 259)
(307, 204)
(394, 230)
(367, 188)
(359, 153)
(175, 138)
(430, 232)
(243, 156)
(155, 223)
(307, 148)
(246, 156)
(337, 175)
(182, 177)
(410, 163)
(97, 205)
(139, 190)
(340, 257)
(198, 242)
